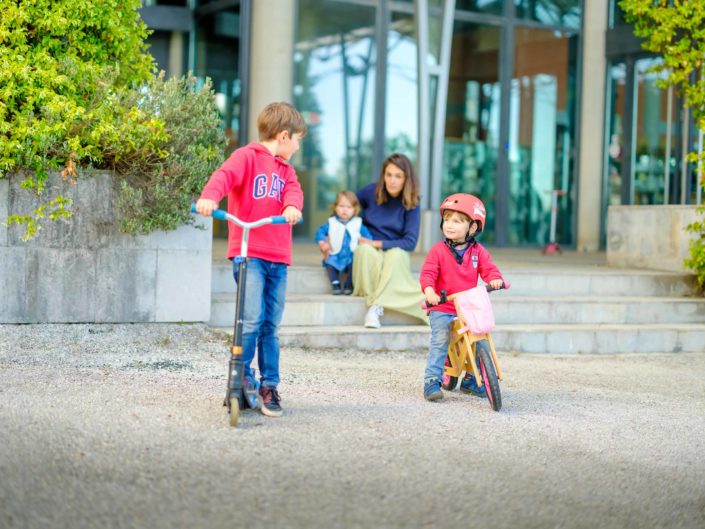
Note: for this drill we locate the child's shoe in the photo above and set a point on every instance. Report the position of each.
(432, 389)
(372, 316)
(270, 402)
(469, 385)
(347, 291)
(337, 291)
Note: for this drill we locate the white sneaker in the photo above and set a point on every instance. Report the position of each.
(372, 316)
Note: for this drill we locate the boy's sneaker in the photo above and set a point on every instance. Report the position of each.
(432, 389)
(337, 291)
(469, 385)
(372, 317)
(347, 291)
(270, 402)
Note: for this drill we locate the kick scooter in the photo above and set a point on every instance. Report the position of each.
(238, 397)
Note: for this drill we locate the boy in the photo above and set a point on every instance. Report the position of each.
(260, 183)
(453, 265)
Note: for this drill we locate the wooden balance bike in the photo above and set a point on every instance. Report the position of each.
(472, 353)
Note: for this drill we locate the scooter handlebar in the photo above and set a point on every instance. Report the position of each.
(223, 215)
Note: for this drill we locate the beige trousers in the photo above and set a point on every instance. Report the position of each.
(384, 278)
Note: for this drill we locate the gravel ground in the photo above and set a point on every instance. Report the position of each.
(122, 426)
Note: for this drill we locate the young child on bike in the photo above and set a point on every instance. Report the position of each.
(337, 240)
(454, 265)
(259, 182)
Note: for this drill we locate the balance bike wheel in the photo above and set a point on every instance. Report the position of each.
(489, 376)
(234, 411)
(448, 382)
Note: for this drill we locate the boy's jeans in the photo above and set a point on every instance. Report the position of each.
(264, 307)
(440, 338)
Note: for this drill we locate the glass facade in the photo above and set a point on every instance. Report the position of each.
(648, 132)
(510, 112)
(566, 13)
(334, 87)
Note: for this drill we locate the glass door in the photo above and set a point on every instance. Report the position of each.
(471, 145)
(650, 136)
(542, 135)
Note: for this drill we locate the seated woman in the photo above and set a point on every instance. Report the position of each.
(382, 267)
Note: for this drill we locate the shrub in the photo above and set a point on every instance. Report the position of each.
(78, 90)
(157, 187)
(696, 261)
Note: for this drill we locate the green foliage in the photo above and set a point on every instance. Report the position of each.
(696, 261)
(158, 186)
(675, 29)
(62, 63)
(77, 90)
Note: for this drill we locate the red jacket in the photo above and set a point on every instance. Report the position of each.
(441, 271)
(258, 185)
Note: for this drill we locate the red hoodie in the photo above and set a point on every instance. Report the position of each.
(441, 271)
(258, 185)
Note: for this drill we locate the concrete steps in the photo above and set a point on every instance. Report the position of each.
(534, 338)
(309, 310)
(325, 309)
(576, 309)
(527, 282)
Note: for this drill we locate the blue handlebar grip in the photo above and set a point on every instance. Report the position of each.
(219, 214)
(279, 219)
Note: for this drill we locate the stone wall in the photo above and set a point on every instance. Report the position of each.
(651, 237)
(83, 270)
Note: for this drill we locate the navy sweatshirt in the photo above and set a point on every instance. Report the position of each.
(390, 223)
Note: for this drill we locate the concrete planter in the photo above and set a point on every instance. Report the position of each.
(652, 237)
(83, 270)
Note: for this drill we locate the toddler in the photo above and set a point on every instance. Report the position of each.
(337, 240)
(454, 265)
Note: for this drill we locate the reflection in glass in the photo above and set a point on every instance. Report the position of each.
(217, 54)
(334, 77)
(217, 57)
(650, 135)
(615, 146)
(616, 15)
(552, 12)
(472, 116)
(541, 135)
(401, 118)
(494, 7)
(435, 22)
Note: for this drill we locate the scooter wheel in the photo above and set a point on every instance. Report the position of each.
(234, 411)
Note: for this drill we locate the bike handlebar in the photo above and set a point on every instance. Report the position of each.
(445, 297)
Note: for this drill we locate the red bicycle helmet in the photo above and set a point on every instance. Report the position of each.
(470, 205)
